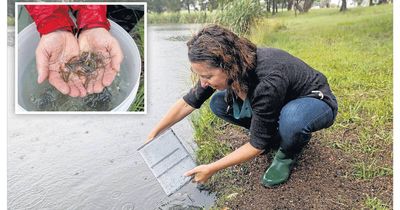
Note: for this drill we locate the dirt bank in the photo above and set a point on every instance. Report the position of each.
(321, 180)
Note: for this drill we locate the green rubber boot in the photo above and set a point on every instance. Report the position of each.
(279, 171)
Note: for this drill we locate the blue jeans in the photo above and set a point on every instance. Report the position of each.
(297, 120)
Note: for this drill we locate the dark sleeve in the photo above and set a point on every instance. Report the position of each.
(198, 95)
(268, 100)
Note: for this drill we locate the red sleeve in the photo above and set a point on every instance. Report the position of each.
(49, 18)
(91, 16)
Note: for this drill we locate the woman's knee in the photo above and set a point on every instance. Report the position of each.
(217, 103)
(292, 128)
(293, 125)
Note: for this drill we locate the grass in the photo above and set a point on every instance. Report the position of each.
(236, 15)
(206, 129)
(138, 34)
(355, 51)
(10, 21)
(375, 203)
(370, 169)
(239, 15)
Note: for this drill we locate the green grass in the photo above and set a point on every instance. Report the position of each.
(138, 34)
(355, 51)
(239, 15)
(10, 21)
(375, 203)
(370, 169)
(207, 126)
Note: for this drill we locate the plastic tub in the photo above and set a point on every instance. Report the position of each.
(168, 160)
(28, 40)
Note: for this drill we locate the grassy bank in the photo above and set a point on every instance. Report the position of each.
(354, 50)
(238, 16)
(138, 35)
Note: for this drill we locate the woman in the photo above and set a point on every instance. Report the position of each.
(266, 90)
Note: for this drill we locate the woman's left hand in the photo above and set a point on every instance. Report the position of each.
(101, 41)
(201, 173)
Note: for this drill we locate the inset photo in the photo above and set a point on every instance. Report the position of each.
(80, 58)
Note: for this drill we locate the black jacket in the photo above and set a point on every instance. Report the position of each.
(277, 79)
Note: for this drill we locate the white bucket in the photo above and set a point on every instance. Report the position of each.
(28, 40)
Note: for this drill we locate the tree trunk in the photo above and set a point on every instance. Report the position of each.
(290, 5)
(371, 3)
(273, 7)
(344, 6)
(283, 5)
(307, 5)
(268, 5)
(297, 7)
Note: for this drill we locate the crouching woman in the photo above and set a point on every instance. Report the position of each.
(275, 95)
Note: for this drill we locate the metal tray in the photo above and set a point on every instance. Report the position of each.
(168, 160)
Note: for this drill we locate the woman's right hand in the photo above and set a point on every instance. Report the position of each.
(101, 41)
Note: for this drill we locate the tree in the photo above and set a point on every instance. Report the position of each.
(290, 5)
(297, 7)
(371, 3)
(187, 3)
(307, 5)
(343, 7)
(302, 6)
(156, 6)
(212, 5)
(274, 7)
(325, 3)
(173, 5)
(283, 4)
(203, 4)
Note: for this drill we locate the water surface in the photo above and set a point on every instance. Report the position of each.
(90, 161)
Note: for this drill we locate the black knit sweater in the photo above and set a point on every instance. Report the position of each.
(277, 79)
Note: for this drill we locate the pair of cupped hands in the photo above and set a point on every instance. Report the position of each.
(55, 49)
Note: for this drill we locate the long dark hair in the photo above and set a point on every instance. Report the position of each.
(221, 48)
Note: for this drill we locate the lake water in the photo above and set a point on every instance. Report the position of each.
(91, 161)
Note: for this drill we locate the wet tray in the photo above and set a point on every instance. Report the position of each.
(168, 160)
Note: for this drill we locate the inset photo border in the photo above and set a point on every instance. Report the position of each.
(80, 58)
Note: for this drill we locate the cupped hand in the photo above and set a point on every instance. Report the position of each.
(201, 173)
(99, 40)
(53, 51)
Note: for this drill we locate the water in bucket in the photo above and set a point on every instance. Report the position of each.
(44, 97)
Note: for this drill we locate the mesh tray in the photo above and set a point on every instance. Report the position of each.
(168, 160)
